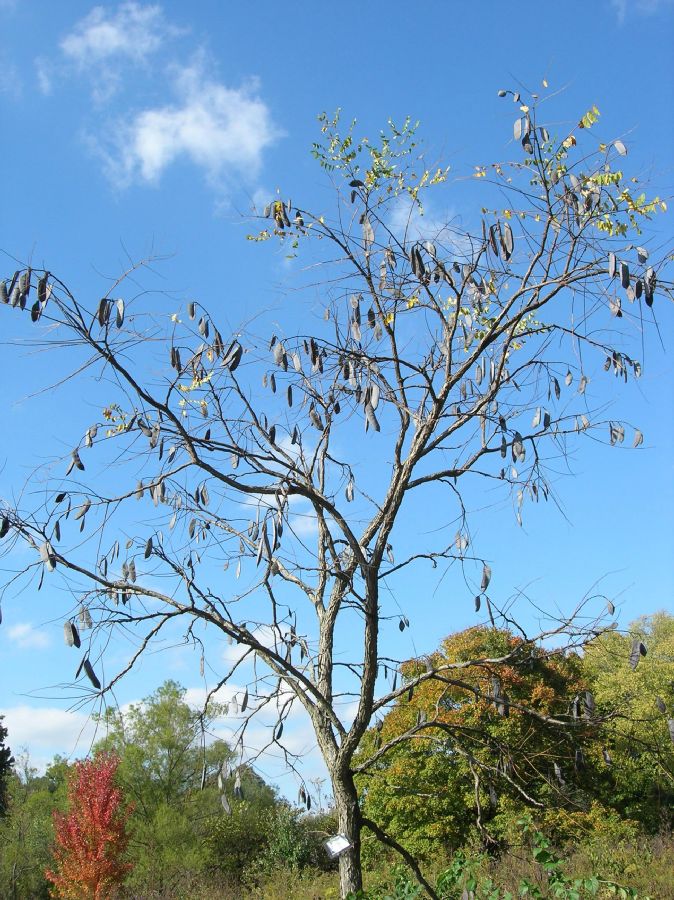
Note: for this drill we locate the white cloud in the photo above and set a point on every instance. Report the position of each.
(10, 81)
(104, 42)
(408, 223)
(48, 730)
(133, 32)
(25, 636)
(43, 75)
(640, 7)
(219, 129)
(265, 634)
(304, 524)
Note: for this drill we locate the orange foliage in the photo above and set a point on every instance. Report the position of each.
(91, 837)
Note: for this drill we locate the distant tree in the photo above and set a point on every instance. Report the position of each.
(632, 679)
(27, 831)
(90, 838)
(473, 752)
(6, 762)
(171, 768)
(466, 355)
(164, 747)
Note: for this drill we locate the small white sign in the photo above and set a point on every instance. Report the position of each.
(336, 845)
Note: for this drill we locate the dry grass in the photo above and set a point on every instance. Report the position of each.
(645, 864)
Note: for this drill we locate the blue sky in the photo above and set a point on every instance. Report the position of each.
(136, 129)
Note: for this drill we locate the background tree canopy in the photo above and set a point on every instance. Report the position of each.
(6, 760)
(481, 756)
(487, 748)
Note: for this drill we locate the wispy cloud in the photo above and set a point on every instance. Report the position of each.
(47, 729)
(639, 7)
(133, 32)
(408, 224)
(220, 130)
(10, 81)
(105, 41)
(27, 637)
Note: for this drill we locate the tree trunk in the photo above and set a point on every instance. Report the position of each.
(346, 803)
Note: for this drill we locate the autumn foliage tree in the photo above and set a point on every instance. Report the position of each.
(91, 837)
(474, 751)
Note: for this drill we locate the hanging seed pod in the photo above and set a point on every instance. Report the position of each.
(75, 463)
(233, 356)
(82, 510)
(91, 675)
(48, 556)
(370, 417)
(71, 634)
(103, 312)
(316, 420)
(624, 275)
(508, 242)
(638, 650)
(517, 447)
(238, 790)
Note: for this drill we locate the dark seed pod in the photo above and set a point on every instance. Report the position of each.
(91, 675)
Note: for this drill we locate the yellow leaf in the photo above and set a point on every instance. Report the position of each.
(507, 213)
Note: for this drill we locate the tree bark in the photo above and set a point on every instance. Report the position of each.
(346, 803)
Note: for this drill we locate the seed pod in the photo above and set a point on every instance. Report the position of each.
(48, 556)
(71, 634)
(83, 509)
(91, 675)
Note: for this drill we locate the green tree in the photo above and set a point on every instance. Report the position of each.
(468, 752)
(166, 757)
(468, 359)
(27, 831)
(6, 762)
(636, 692)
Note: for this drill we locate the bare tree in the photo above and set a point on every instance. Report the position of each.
(457, 360)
